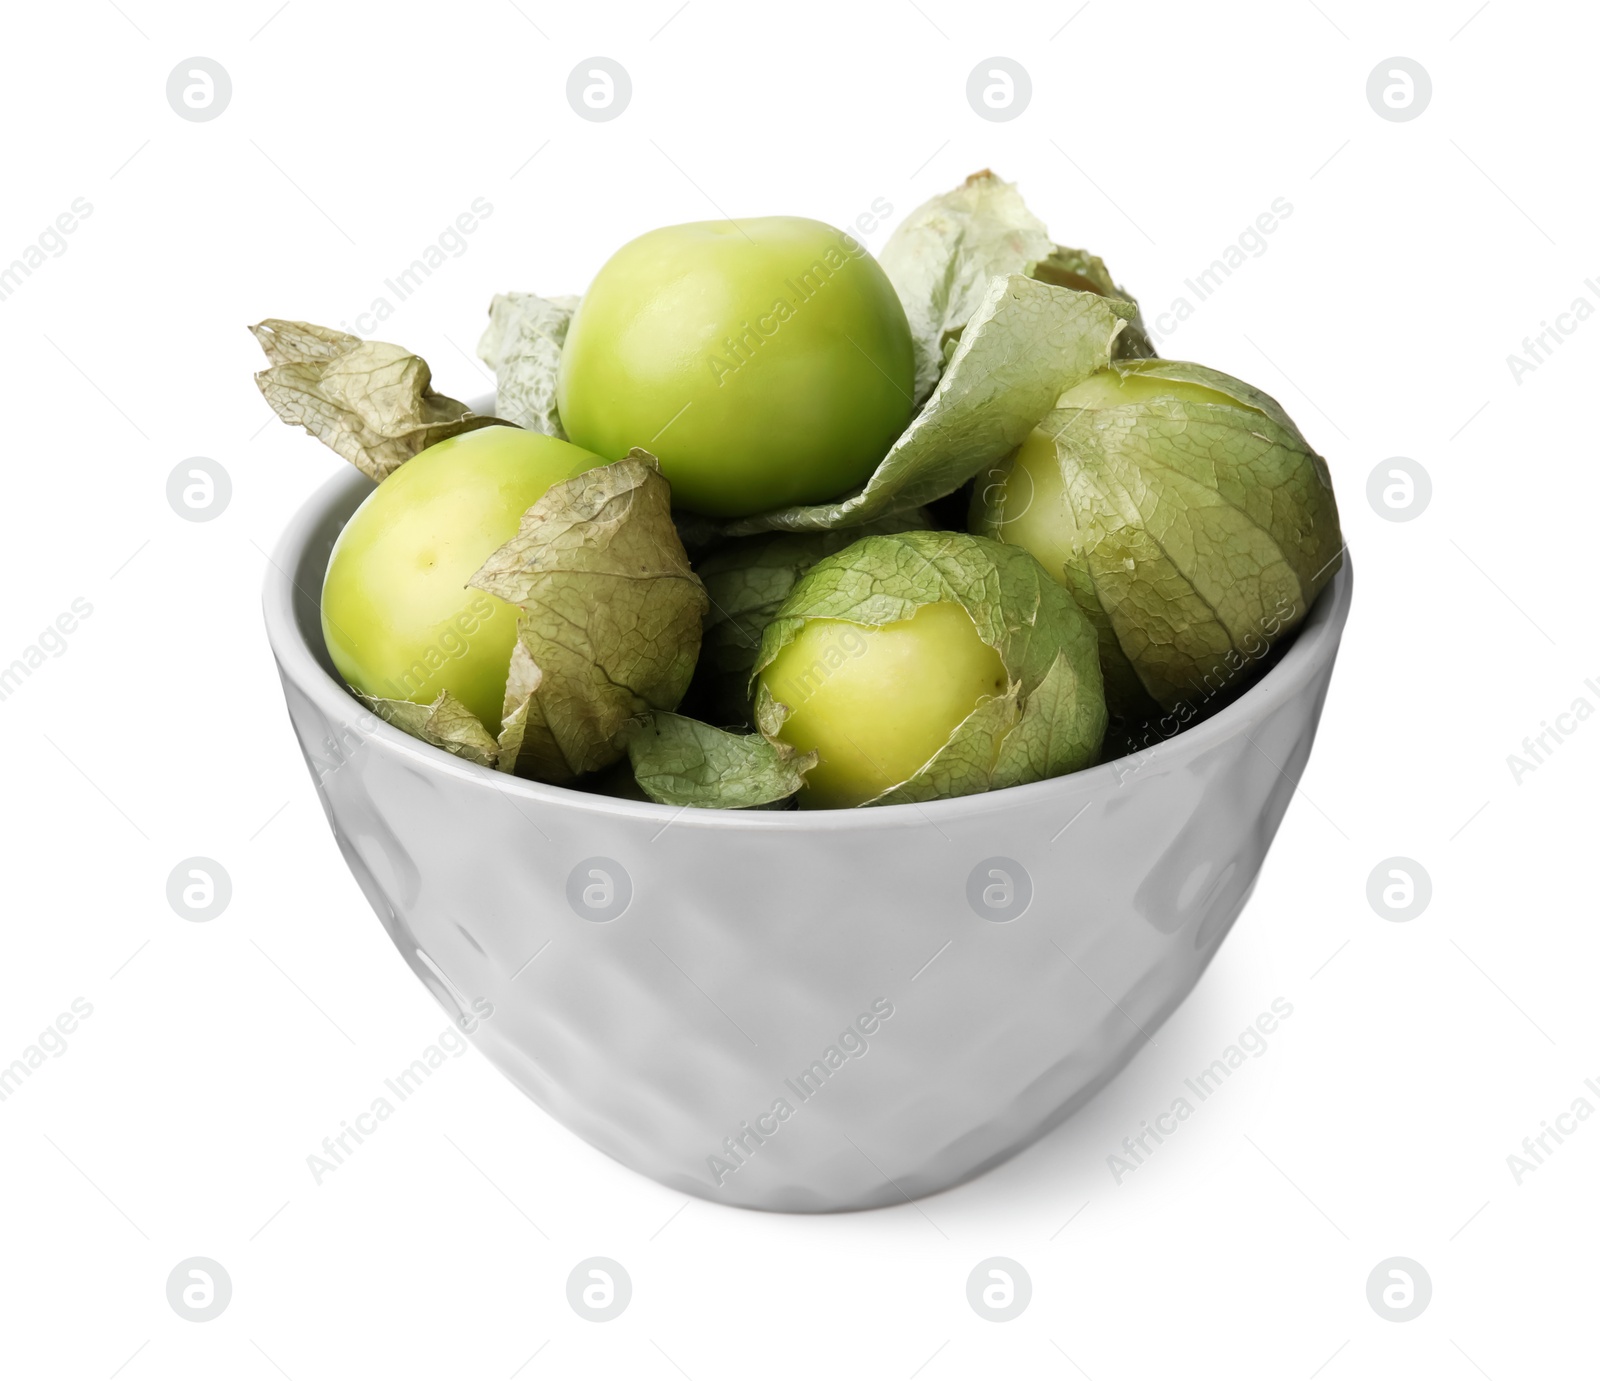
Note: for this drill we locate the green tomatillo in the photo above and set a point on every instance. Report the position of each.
(923, 665)
(1188, 516)
(765, 362)
(875, 704)
(400, 621)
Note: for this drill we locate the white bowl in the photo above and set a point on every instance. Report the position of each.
(802, 1011)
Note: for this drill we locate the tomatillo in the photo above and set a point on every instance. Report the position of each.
(765, 362)
(398, 617)
(1192, 522)
(876, 703)
(924, 665)
(1036, 500)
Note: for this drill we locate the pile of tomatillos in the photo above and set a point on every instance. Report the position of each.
(763, 520)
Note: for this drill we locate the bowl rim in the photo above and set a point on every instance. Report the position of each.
(1313, 649)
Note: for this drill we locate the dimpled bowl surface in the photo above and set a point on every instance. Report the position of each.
(802, 1011)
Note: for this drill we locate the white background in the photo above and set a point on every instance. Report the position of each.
(178, 1121)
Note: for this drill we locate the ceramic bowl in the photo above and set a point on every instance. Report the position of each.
(789, 1010)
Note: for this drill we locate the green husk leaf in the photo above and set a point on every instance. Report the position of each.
(1026, 343)
(1085, 272)
(522, 344)
(1055, 730)
(942, 256)
(1199, 533)
(446, 723)
(611, 614)
(1126, 696)
(746, 582)
(682, 762)
(525, 742)
(372, 402)
(1045, 642)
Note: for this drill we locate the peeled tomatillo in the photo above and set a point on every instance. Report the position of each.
(398, 617)
(765, 362)
(878, 702)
